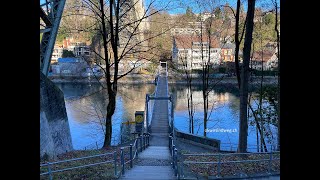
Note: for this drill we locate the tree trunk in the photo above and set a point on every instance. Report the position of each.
(243, 125)
(278, 56)
(111, 95)
(205, 115)
(110, 111)
(190, 107)
(192, 113)
(237, 43)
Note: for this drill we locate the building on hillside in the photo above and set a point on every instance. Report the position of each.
(267, 58)
(271, 46)
(186, 52)
(81, 51)
(193, 28)
(78, 48)
(70, 67)
(205, 15)
(227, 52)
(56, 54)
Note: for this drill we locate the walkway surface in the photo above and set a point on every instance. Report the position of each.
(154, 162)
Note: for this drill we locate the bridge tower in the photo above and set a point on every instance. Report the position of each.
(50, 14)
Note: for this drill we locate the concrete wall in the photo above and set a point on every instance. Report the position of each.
(199, 140)
(55, 137)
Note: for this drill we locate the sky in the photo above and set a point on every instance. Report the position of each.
(179, 6)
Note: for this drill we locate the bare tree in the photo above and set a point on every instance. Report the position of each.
(238, 38)
(207, 31)
(243, 125)
(119, 24)
(191, 107)
(278, 56)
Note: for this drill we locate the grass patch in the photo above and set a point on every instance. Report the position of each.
(232, 169)
(102, 171)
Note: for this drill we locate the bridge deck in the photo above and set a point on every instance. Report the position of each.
(154, 162)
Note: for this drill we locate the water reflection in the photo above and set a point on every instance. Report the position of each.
(86, 111)
(223, 118)
(86, 108)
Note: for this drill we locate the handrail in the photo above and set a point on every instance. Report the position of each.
(154, 94)
(219, 161)
(50, 172)
(76, 167)
(143, 138)
(144, 143)
(227, 154)
(75, 159)
(222, 162)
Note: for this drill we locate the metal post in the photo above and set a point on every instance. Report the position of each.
(270, 163)
(131, 156)
(175, 162)
(137, 146)
(147, 140)
(172, 145)
(172, 115)
(147, 111)
(49, 171)
(115, 162)
(219, 165)
(140, 143)
(181, 167)
(172, 110)
(122, 160)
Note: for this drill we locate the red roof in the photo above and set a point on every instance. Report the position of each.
(185, 41)
(266, 55)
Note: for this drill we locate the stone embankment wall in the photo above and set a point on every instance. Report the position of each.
(55, 137)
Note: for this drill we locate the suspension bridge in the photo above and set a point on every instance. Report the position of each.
(154, 162)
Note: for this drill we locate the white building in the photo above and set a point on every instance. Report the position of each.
(81, 51)
(187, 54)
(268, 58)
(205, 15)
(56, 53)
(193, 28)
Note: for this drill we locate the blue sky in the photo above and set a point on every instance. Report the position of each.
(179, 6)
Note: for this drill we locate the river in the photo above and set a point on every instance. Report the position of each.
(86, 107)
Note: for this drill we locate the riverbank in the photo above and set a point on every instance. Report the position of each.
(129, 79)
(149, 79)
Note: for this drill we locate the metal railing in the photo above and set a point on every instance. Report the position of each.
(140, 144)
(219, 160)
(176, 165)
(93, 146)
(149, 103)
(231, 147)
(50, 171)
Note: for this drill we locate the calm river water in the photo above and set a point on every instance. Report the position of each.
(86, 107)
